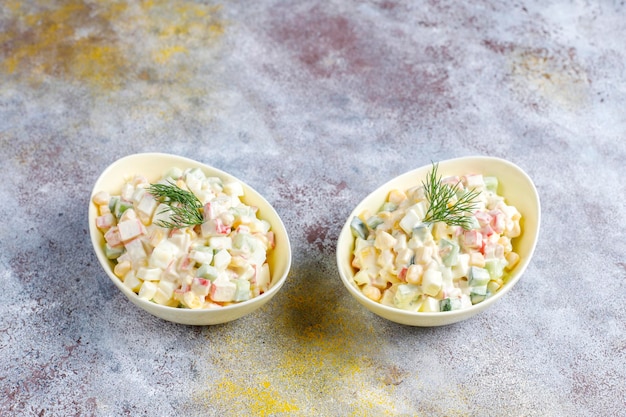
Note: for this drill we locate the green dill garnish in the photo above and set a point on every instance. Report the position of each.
(439, 196)
(186, 209)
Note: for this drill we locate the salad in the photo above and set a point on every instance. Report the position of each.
(441, 246)
(186, 241)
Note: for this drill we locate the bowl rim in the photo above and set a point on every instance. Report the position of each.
(159, 310)
(417, 318)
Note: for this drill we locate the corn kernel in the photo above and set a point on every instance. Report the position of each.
(477, 259)
(515, 231)
(493, 286)
(414, 274)
(384, 240)
(505, 242)
(364, 215)
(238, 261)
(156, 237)
(121, 269)
(101, 198)
(396, 197)
(372, 292)
(512, 258)
(104, 209)
(180, 183)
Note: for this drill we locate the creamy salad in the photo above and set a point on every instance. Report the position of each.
(218, 261)
(405, 262)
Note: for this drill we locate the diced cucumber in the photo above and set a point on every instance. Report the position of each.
(478, 294)
(358, 228)
(120, 207)
(495, 267)
(113, 202)
(195, 173)
(113, 253)
(478, 277)
(242, 292)
(174, 173)
(449, 252)
(449, 304)
(422, 232)
(460, 190)
(406, 296)
(203, 248)
(245, 243)
(374, 221)
(479, 290)
(388, 206)
(239, 211)
(491, 183)
(202, 254)
(208, 272)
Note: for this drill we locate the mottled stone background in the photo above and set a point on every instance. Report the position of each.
(314, 104)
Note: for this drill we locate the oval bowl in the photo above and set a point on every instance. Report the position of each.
(153, 166)
(514, 184)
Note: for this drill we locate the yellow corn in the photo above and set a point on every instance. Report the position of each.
(493, 286)
(104, 209)
(371, 292)
(156, 238)
(238, 261)
(414, 274)
(101, 198)
(384, 240)
(182, 184)
(512, 258)
(515, 231)
(396, 197)
(477, 259)
(505, 242)
(121, 269)
(364, 215)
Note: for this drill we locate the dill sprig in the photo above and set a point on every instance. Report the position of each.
(184, 205)
(439, 196)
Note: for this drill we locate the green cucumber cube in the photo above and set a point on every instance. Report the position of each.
(478, 277)
(449, 252)
(121, 207)
(113, 253)
(207, 272)
(112, 203)
(422, 232)
(374, 221)
(491, 183)
(242, 293)
(477, 298)
(495, 267)
(406, 296)
(358, 228)
(449, 304)
(388, 206)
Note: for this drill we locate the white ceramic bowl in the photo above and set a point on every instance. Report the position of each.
(514, 185)
(153, 166)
